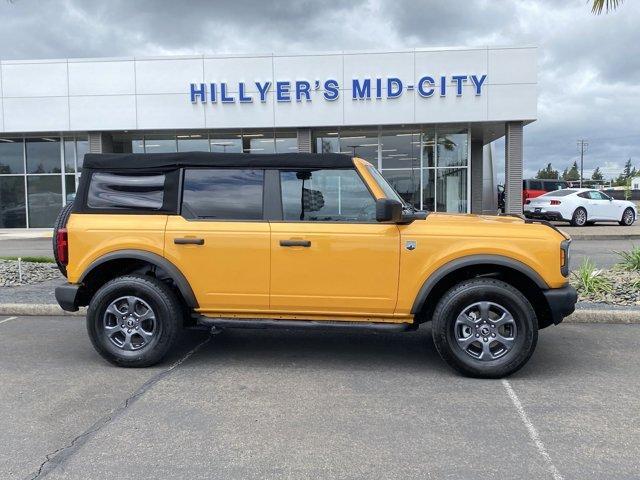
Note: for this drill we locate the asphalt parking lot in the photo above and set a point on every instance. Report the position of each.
(296, 404)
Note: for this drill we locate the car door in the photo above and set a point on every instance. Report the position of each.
(328, 253)
(220, 241)
(600, 205)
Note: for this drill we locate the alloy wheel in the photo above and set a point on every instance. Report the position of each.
(485, 330)
(129, 323)
(627, 217)
(581, 217)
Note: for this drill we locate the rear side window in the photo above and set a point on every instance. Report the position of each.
(534, 185)
(109, 191)
(559, 193)
(223, 194)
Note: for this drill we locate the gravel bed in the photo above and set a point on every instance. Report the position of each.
(625, 288)
(32, 273)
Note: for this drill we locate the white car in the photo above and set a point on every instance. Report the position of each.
(581, 206)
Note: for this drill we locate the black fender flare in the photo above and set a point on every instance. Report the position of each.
(471, 260)
(154, 259)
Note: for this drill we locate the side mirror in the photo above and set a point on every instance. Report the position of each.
(388, 210)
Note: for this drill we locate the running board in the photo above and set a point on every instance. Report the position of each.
(317, 324)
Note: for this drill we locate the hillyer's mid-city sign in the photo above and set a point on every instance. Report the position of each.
(361, 89)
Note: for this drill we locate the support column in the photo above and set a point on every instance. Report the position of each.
(100, 142)
(304, 140)
(476, 177)
(513, 163)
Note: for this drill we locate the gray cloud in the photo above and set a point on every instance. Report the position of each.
(589, 67)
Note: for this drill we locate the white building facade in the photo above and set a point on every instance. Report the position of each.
(422, 116)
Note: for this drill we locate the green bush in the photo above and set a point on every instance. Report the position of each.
(590, 280)
(630, 260)
(31, 259)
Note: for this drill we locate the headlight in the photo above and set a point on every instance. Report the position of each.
(564, 257)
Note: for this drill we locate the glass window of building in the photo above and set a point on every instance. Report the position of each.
(82, 148)
(69, 155)
(327, 142)
(43, 155)
(226, 142)
(451, 190)
(360, 143)
(453, 147)
(137, 145)
(427, 145)
(160, 144)
(429, 189)
(286, 142)
(44, 199)
(258, 142)
(196, 142)
(407, 183)
(12, 206)
(400, 149)
(70, 188)
(11, 155)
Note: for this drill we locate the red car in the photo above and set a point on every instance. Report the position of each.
(535, 187)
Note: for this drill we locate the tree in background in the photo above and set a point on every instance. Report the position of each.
(571, 174)
(606, 5)
(628, 172)
(548, 173)
(597, 175)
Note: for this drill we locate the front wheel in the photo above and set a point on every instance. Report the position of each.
(579, 218)
(133, 321)
(485, 328)
(628, 217)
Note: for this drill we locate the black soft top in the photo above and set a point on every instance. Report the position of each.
(172, 161)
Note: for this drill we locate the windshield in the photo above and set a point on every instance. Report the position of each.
(388, 190)
(559, 193)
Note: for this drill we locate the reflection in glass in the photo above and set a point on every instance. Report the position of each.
(43, 155)
(261, 143)
(452, 148)
(70, 187)
(428, 147)
(69, 155)
(360, 143)
(428, 189)
(225, 142)
(286, 142)
(11, 155)
(193, 143)
(160, 144)
(328, 143)
(12, 208)
(400, 149)
(406, 183)
(82, 148)
(45, 199)
(452, 190)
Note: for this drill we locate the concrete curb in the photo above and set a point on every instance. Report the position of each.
(631, 316)
(603, 237)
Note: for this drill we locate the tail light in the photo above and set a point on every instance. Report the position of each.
(555, 202)
(62, 246)
(527, 202)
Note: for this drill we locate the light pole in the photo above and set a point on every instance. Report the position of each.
(582, 147)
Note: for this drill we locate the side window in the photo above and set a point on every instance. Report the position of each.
(326, 196)
(222, 194)
(109, 191)
(597, 195)
(535, 185)
(584, 195)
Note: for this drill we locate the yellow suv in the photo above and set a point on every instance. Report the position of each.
(157, 242)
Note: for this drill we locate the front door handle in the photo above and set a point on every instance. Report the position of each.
(188, 241)
(295, 243)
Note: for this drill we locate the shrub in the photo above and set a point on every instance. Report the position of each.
(589, 280)
(630, 260)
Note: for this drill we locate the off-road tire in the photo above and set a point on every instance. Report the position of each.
(61, 222)
(469, 292)
(577, 218)
(165, 305)
(627, 223)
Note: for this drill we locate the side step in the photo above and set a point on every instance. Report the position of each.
(322, 324)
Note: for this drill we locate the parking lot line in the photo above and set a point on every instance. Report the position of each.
(533, 433)
(8, 319)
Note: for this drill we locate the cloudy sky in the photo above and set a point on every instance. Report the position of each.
(589, 66)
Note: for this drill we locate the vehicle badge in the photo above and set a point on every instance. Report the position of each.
(410, 245)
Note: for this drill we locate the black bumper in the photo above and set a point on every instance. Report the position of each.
(67, 297)
(562, 302)
(544, 215)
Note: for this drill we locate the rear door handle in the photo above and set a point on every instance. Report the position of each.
(188, 241)
(295, 243)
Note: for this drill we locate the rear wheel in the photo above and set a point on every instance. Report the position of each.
(485, 328)
(579, 218)
(628, 217)
(133, 321)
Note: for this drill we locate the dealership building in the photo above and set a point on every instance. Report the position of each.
(424, 117)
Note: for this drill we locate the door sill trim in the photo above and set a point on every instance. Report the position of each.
(303, 324)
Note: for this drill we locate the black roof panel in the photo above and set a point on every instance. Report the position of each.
(172, 161)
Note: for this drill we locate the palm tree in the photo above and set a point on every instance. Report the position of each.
(606, 5)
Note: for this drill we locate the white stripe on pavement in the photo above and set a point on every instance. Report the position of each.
(8, 319)
(533, 433)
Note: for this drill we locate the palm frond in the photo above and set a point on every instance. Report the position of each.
(606, 5)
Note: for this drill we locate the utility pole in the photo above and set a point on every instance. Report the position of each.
(582, 147)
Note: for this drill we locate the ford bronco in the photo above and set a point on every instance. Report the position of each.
(154, 243)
